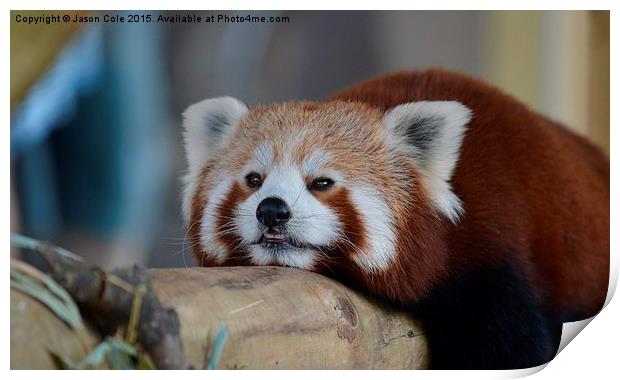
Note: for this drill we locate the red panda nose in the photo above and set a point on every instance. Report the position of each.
(273, 212)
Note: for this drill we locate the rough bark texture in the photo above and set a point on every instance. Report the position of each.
(277, 318)
(109, 306)
(106, 301)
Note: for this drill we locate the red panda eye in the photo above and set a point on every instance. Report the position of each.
(253, 180)
(321, 184)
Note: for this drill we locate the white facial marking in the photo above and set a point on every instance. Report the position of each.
(263, 156)
(260, 256)
(311, 223)
(208, 225)
(190, 185)
(248, 226)
(302, 258)
(313, 162)
(379, 229)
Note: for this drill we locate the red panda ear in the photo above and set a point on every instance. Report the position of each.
(431, 133)
(206, 125)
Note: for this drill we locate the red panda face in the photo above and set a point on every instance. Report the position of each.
(307, 185)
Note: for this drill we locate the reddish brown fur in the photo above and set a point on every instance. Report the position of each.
(226, 212)
(341, 204)
(421, 249)
(198, 206)
(530, 251)
(531, 189)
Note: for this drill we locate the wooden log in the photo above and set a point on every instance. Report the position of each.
(277, 318)
(286, 318)
(35, 330)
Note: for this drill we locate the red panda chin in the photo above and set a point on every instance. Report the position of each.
(430, 190)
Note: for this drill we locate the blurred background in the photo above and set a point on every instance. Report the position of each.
(96, 151)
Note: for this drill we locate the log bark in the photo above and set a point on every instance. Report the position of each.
(35, 329)
(277, 318)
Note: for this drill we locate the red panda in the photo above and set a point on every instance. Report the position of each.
(428, 189)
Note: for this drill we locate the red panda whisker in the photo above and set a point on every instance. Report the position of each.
(224, 231)
(323, 263)
(227, 231)
(227, 224)
(243, 214)
(324, 256)
(233, 225)
(190, 228)
(315, 214)
(347, 244)
(178, 252)
(324, 259)
(344, 239)
(177, 243)
(219, 216)
(306, 217)
(236, 249)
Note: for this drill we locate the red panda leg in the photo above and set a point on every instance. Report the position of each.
(486, 320)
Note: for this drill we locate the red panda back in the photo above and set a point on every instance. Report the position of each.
(532, 190)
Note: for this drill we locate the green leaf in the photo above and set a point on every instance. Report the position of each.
(69, 314)
(117, 353)
(25, 242)
(218, 347)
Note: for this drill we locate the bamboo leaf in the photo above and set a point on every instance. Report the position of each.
(25, 242)
(218, 346)
(40, 293)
